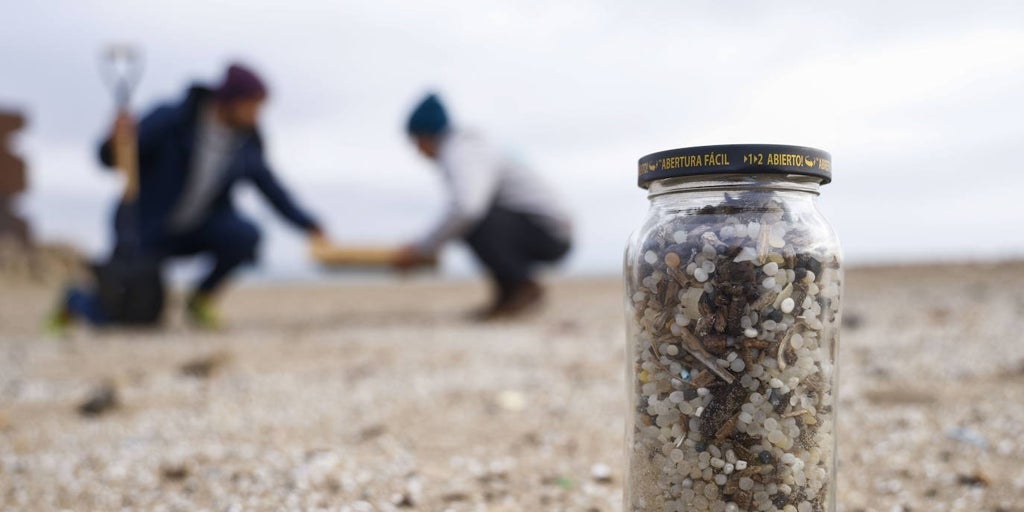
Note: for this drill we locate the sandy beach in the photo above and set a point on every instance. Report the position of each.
(381, 397)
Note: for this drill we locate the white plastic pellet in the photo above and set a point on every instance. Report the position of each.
(746, 483)
(797, 341)
(700, 274)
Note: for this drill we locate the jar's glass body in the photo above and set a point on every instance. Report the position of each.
(733, 290)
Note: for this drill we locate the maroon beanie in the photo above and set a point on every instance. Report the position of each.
(240, 83)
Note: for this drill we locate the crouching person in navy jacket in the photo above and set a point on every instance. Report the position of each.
(192, 154)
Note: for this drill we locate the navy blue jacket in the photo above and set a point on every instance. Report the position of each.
(166, 139)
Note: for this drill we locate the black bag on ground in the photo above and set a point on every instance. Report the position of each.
(130, 290)
(130, 285)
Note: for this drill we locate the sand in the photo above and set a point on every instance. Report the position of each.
(382, 397)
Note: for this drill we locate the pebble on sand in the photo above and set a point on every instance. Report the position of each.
(102, 399)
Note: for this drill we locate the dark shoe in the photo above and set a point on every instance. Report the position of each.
(521, 300)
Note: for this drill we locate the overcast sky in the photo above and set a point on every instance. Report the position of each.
(920, 104)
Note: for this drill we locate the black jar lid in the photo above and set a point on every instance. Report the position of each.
(735, 159)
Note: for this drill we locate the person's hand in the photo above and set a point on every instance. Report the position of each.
(409, 257)
(317, 241)
(316, 237)
(124, 127)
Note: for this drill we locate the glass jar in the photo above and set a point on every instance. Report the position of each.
(733, 288)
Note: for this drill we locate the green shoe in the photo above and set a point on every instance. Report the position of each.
(57, 323)
(202, 314)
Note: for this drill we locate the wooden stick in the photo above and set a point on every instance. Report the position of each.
(126, 159)
(335, 256)
(339, 256)
(693, 345)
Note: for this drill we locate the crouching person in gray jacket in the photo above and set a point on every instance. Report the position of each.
(504, 212)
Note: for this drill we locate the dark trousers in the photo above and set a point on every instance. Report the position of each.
(510, 245)
(226, 236)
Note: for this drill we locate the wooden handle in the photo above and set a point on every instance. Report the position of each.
(358, 256)
(126, 159)
(354, 256)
